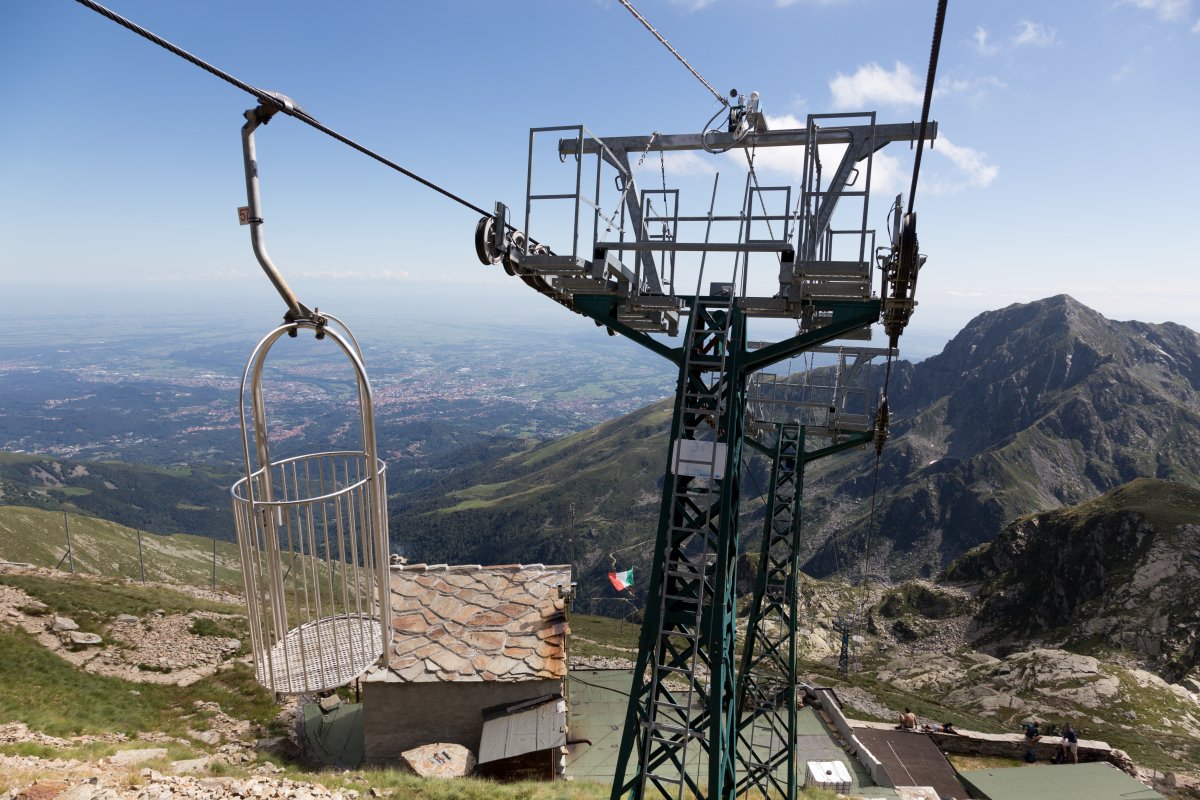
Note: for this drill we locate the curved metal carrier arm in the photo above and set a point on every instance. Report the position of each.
(252, 214)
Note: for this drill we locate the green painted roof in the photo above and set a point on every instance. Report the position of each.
(598, 700)
(1095, 781)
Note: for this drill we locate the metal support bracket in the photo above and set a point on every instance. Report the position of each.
(261, 115)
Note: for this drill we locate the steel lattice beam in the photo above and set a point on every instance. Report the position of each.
(689, 628)
(767, 679)
(682, 707)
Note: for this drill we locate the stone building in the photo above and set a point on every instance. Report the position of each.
(468, 640)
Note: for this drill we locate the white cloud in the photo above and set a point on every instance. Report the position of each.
(887, 175)
(1196, 27)
(982, 46)
(784, 122)
(354, 274)
(873, 85)
(975, 88)
(685, 162)
(974, 169)
(1028, 34)
(692, 5)
(1166, 10)
(1034, 34)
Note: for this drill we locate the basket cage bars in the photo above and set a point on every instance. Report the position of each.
(313, 541)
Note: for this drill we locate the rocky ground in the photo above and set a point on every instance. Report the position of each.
(915, 642)
(158, 648)
(119, 778)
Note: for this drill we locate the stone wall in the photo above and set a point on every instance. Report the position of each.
(401, 716)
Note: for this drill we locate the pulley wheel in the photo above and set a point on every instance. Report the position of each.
(517, 243)
(485, 247)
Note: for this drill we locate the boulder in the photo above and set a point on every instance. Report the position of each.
(61, 624)
(440, 760)
(126, 758)
(84, 639)
(981, 658)
(83, 791)
(208, 737)
(43, 790)
(190, 765)
(126, 619)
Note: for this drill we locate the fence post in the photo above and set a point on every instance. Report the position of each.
(70, 554)
(141, 562)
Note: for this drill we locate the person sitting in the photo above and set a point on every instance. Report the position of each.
(908, 720)
(1032, 731)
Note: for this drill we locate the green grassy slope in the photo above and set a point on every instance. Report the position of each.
(39, 537)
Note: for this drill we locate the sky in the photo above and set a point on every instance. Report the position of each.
(1065, 161)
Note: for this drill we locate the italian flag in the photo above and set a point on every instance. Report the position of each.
(621, 580)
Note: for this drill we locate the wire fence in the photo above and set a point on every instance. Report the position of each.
(143, 557)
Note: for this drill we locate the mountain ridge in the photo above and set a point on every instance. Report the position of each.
(1030, 407)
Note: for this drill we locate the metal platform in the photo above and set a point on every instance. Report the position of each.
(321, 653)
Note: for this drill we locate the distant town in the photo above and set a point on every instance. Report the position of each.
(157, 399)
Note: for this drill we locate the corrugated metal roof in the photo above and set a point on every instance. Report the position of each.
(912, 759)
(522, 728)
(1093, 781)
(473, 623)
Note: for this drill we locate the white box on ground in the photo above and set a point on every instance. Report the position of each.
(831, 775)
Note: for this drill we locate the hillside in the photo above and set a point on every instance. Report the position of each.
(1029, 408)
(191, 499)
(573, 500)
(104, 548)
(1117, 573)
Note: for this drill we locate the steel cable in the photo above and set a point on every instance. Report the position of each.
(720, 97)
(934, 49)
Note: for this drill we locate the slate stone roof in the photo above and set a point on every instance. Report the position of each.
(473, 623)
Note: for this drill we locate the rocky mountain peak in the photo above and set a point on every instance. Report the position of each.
(1118, 569)
(1029, 408)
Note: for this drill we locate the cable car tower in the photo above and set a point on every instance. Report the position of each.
(630, 272)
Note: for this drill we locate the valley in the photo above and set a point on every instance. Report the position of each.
(1028, 550)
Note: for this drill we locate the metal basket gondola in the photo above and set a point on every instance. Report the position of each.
(312, 535)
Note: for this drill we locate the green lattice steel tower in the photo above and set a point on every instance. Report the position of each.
(622, 270)
(831, 408)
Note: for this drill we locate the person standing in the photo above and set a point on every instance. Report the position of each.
(1070, 743)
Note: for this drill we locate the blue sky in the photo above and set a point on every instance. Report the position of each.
(1066, 160)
